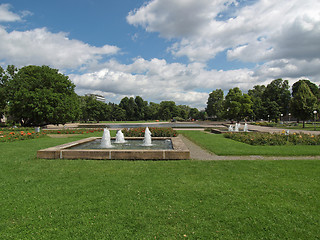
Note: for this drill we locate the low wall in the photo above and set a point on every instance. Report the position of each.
(179, 152)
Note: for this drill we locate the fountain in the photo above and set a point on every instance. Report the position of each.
(120, 137)
(147, 138)
(106, 139)
(101, 148)
(245, 129)
(236, 127)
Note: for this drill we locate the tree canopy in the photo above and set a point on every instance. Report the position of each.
(41, 95)
(303, 102)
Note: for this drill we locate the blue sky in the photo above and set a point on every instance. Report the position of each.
(178, 50)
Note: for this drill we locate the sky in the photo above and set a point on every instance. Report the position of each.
(164, 50)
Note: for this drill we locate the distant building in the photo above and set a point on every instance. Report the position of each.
(97, 97)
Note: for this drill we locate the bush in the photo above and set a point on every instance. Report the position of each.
(265, 124)
(156, 132)
(73, 131)
(273, 139)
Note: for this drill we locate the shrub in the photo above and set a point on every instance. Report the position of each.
(73, 131)
(273, 139)
(155, 131)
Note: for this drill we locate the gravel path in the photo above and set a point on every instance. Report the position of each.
(197, 153)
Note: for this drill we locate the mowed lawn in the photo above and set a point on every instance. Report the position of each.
(87, 199)
(220, 145)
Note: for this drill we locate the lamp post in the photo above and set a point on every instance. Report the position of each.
(268, 118)
(315, 117)
(281, 115)
(289, 117)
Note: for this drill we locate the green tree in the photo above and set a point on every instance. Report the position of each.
(258, 108)
(183, 111)
(92, 109)
(313, 87)
(3, 93)
(303, 103)
(168, 110)
(118, 113)
(277, 92)
(238, 106)
(130, 106)
(141, 108)
(5, 76)
(152, 111)
(41, 95)
(194, 113)
(215, 104)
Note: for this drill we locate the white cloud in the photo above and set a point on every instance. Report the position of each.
(261, 31)
(156, 80)
(6, 15)
(280, 36)
(42, 47)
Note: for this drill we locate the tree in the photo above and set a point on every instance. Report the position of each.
(5, 76)
(92, 109)
(215, 104)
(183, 111)
(152, 111)
(194, 113)
(238, 106)
(277, 92)
(118, 113)
(258, 108)
(313, 88)
(141, 108)
(168, 110)
(130, 106)
(303, 102)
(3, 94)
(41, 95)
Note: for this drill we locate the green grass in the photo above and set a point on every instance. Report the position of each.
(220, 145)
(87, 199)
(307, 126)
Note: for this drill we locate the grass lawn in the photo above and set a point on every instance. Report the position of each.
(87, 199)
(220, 145)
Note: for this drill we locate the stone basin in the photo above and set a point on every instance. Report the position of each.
(179, 151)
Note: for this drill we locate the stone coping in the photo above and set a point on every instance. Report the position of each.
(179, 151)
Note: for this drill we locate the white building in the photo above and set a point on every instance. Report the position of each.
(97, 97)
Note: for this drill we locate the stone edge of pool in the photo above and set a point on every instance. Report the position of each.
(179, 152)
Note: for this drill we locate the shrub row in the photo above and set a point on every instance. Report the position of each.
(156, 132)
(274, 139)
(73, 131)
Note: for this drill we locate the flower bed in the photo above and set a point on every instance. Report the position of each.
(15, 134)
(156, 132)
(274, 139)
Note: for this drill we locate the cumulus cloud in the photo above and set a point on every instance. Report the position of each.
(42, 47)
(6, 15)
(281, 37)
(156, 80)
(262, 31)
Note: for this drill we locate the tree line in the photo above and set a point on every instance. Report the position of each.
(266, 102)
(40, 95)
